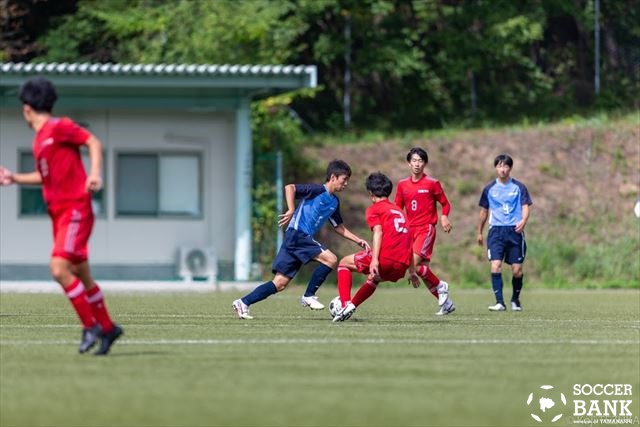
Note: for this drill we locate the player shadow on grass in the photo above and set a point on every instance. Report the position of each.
(140, 353)
(377, 320)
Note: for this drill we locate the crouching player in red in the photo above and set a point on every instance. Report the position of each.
(390, 253)
(67, 191)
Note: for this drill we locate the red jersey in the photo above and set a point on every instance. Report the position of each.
(57, 156)
(396, 239)
(418, 199)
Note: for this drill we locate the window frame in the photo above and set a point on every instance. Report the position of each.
(157, 154)
(38, 187)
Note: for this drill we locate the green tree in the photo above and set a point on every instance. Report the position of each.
(413, 63)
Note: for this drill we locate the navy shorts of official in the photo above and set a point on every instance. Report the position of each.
(505, 244)
(298, 248)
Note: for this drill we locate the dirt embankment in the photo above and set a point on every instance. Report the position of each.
(573, 172)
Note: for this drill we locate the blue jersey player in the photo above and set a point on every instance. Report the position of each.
(506, 203)
(318, 204)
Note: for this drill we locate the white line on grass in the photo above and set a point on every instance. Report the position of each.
(380, 341)
(76, 326)
(516, 319)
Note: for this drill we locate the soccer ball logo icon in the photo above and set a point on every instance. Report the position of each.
(546, 401)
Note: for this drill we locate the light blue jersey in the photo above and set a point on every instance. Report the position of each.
(317, 206)
(504, 202)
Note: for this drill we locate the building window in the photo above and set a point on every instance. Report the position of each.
(159, 184)
(31, 201)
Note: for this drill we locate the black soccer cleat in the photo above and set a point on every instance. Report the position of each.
(89, 338)
(108, 339)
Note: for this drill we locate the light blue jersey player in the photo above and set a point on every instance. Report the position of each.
(506, 203)
(318, 204)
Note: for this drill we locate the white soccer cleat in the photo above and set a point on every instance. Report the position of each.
(346, 313)
(443, 292)
(515, 306)
(447, 308)
(497, 307)
(242, 310)
(311, 302)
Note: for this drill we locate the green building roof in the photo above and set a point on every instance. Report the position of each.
(200, 86)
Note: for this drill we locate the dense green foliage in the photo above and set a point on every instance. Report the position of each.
(412, 63)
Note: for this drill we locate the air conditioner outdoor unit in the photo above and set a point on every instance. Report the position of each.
(198, 262)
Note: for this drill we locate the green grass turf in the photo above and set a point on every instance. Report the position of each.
(186, 359)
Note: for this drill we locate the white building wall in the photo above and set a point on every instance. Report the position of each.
(123, 240)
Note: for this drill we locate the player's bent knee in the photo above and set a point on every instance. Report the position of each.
(281, 286)
(281, 282)
(331, 260)
(59, 270)
(345, 261)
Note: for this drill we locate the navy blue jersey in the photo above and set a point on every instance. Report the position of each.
(504, 201)
(317, 206)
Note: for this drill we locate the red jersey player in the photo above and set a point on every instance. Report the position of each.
(390, 253)
(67, 192)
(418, 195)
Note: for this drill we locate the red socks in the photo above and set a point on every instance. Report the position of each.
(89, 305)
(363, 293)
(78, 298)
(344, 284)
(344, 288)
(431, 280)
(99, 309)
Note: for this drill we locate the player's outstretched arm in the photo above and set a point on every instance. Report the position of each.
(525, 217)
(7, 177)
(290, 197)
(374, 267)
(344, 232)
(94, 179)
(446, 209)
(445, 223)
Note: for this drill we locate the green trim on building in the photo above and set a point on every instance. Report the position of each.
(166, 86)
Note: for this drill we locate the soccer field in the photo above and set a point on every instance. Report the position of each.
(186, 360)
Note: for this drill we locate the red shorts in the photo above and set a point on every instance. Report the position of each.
(390, 270)
(72, 225)
(424, 239)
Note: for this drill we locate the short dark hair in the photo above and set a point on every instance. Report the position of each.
(379, 184)
(39, 94)
(420, 152)
(503, 158)
(337, 168)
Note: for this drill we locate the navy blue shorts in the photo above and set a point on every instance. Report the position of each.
(504, 244)
(297, 249)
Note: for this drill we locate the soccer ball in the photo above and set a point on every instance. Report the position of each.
(335, 306)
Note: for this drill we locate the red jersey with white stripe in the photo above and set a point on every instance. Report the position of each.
(56, 149)
(396, 239)
(419, 198)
